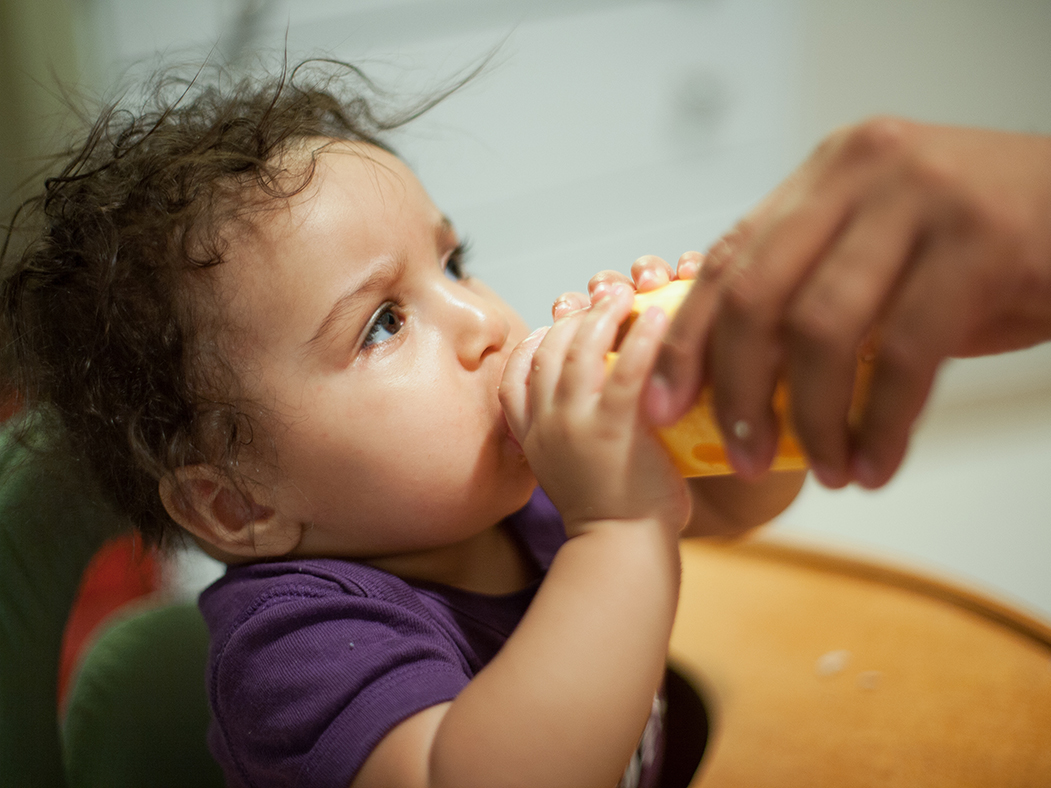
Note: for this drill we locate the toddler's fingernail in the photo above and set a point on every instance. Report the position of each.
(689, 269)
(599, 291)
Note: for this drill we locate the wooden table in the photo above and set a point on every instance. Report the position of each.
(822, 671)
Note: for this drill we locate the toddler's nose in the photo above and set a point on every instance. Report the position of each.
(481, 327)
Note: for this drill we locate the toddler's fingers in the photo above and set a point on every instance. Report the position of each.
(689, 265)
(650, 272)
(584, 369)
(635, 359)
(601, 283)
(514, 385)
(547, 368)
(569, 302)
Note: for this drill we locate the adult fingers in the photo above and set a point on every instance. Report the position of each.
(676, 381)
(832, 314)
(680, 367)
(745, 351)
(938, 304)
(777, 247)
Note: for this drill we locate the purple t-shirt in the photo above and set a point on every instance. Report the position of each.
(314, 661)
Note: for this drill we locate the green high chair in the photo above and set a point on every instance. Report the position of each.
(137, 712)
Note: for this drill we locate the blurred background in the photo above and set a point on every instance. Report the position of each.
(602, 130)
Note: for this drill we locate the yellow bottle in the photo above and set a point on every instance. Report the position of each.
(695, 442)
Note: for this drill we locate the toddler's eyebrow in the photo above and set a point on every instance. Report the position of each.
(381, 276)
(378, 280)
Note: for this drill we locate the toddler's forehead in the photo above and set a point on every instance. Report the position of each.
(264, 239)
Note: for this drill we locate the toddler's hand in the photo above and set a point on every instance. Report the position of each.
(647, 273)
(582, 429)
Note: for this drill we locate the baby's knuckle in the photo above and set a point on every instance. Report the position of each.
(620, 389)
(575, 355)
(541, 357)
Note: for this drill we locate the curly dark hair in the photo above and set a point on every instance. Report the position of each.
(96, 332)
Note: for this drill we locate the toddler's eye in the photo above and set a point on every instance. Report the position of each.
(386, 324)
(454, 266)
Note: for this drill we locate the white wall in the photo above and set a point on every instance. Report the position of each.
(606, 130)
(973, 500)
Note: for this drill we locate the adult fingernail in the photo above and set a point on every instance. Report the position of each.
(865, 472)
(658, 400)
(741, 459)
(742, 429)
(828, 477)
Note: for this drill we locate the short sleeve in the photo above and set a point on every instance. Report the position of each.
(305, 686)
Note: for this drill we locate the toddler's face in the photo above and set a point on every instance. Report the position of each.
(379, 365)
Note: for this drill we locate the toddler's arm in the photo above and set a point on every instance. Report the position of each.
(565, 701)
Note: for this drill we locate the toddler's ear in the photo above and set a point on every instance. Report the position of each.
(207, 503)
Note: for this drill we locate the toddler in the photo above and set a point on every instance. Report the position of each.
(451, 547)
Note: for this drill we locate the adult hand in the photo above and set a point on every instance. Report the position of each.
(935, 241)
